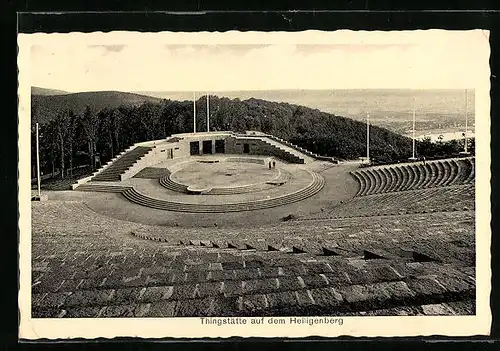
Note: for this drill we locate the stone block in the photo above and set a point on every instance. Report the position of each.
(437, 310)
(232, 288)
(463, 308)
(211, 289)
(161, 309)
(195, 308)
(456, 285)
(289, 283)
(185, 291)
(53, 300)
(282, 300)
(337, 279)
(45, 312)
(160, 279)
(314, 281)
(367, 294)
(221, 275)
(117, 311)
(326, 297)
(196, 276)
(83, 312)
(254, 264)
(304, 297)
(232, 265)
(269, 272)
(247, 274)
(397, 290)
(426, 287)
(126, 295)
(294, 270)
(89, 297)
(156, 293)
(260, 285)
(252, 303)
(317, 268)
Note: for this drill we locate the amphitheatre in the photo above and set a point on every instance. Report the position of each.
(203, 224)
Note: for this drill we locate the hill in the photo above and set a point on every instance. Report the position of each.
(389, 108)
(46, 107)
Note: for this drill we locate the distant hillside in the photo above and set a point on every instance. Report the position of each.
(46, 107)
(44, 91)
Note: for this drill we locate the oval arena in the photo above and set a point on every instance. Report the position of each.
(225, 224)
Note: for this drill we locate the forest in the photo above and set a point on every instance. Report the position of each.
(73, 140)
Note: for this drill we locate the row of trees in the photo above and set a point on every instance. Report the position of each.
(74, 138)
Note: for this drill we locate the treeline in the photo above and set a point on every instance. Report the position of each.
(74, 139)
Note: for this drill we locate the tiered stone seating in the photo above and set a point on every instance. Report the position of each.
(106, 188)
(394, 178)
(472, 174)
(399, 178)
(452, 198)
(455, 172)
(168, 183)
(371, 266)
(315, 186)
(124, 162)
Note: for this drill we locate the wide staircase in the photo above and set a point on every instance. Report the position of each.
(121, 164)
(289, 151)
(413, 176)
(301, 149)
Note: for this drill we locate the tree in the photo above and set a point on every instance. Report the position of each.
(71, 136)
(149, 115)
(90, 124)
(117, 118)
(64, 130)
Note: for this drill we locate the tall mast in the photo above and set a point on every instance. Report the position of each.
(466, 113)
(208, 113)
(413, 154)
(368, 137)
(38, 160)
(194, 112)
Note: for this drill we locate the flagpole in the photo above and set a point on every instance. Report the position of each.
(368, 137)
(38, 160)
(208, 114)
(194, 112)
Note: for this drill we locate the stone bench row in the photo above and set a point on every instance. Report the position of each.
(395, 178)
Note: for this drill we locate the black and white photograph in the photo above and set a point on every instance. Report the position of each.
(251, 184)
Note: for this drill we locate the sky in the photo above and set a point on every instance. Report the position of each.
(212, 62)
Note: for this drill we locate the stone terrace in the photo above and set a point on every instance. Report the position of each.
(88, 265)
